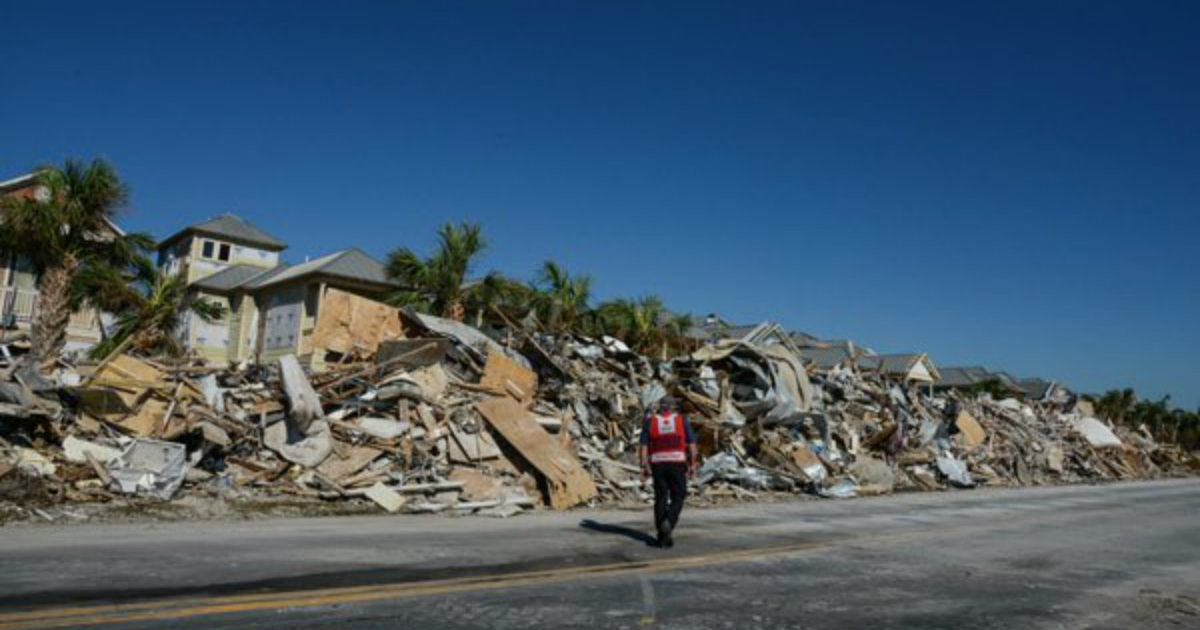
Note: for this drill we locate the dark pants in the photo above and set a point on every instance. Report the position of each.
(670, 489)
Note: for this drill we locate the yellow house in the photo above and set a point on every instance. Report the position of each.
(270, 307)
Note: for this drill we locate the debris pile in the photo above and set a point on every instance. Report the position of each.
(418, 414)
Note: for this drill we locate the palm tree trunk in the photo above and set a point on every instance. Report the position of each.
(53, 313)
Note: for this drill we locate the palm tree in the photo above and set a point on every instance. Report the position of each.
(637, 322)
(1115, 405)
(437, 283)
(150, 308)
(63, 232)
(563, 298)
(676, 329)
(494, 291)
(1155, 415)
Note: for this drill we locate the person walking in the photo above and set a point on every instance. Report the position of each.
(669, 455)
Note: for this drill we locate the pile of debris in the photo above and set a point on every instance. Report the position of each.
(419, 414)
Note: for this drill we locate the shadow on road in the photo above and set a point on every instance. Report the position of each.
(620, 530)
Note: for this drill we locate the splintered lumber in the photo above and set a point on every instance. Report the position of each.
(377, 367)
(305, 405)
(566, 480)
(502, 374)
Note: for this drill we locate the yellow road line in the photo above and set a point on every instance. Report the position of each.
(173, 609)
(81, 616)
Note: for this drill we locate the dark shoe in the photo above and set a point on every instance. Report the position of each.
(664, 534)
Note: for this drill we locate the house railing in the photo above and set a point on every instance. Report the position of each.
(19, 306)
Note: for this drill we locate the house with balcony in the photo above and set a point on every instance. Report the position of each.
(19, 282)
(271, 307)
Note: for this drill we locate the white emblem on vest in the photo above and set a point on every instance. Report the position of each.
(666, 424)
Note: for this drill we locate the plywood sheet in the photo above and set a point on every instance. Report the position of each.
(503, 375)
(972, 434)
(337, 467)
(349, 323)
(567, 483)
(145, 422)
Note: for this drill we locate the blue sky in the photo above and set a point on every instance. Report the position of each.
(1008, 184)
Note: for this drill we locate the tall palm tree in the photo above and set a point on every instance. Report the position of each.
(563, 298)
(437, 283)
(1156, 415)
(150, 308)
(480, 296)
(62, 232)
(639, 322)
(676, 328)
(1116, 405)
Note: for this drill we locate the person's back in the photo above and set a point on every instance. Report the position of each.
(668, 454)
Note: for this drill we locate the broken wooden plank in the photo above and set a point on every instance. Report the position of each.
(339, 468)
(385, 497)
(502, 374)
(567, 482)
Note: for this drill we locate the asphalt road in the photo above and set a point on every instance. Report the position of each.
(1116, 556)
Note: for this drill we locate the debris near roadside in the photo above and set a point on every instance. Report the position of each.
(418, 414)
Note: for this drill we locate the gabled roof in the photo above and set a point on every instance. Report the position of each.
(896, 364)
(1036, 388)
(350, 264)
(1008, 380)
(962, 376)
(232, 278)
(232, 227)
(829, 357)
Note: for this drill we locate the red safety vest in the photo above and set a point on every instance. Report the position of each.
(668, 441)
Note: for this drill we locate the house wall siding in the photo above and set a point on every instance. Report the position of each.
(283, 313)
(200, 267)
(211, 340)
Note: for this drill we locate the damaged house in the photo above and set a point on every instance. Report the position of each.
(270, 307)
(826, 356)
(1039, 390)
(907, 368)
(19, 282)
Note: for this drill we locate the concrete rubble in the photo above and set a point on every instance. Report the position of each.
(426, 415)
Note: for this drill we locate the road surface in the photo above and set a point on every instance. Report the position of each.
(1114, 556)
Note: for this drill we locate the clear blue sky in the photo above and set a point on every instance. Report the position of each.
(1013, 185)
